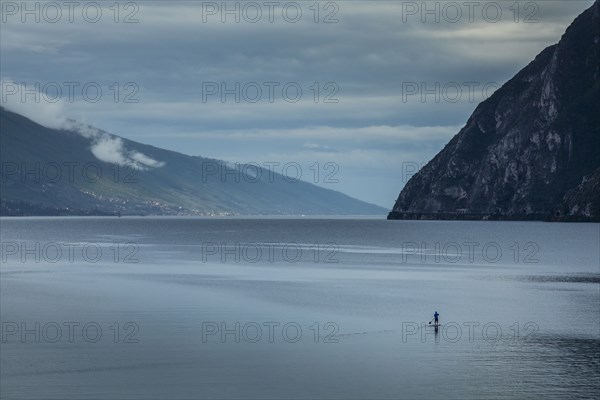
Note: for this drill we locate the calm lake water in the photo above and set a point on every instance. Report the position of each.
(144, 308)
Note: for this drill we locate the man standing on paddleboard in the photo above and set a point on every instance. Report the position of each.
(435, 317)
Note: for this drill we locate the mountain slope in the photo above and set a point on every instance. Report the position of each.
(53, 172)
(534, 141)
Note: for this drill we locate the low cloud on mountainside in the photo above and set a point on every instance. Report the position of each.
(104, 146)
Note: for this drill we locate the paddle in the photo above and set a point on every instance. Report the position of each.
(431, 321)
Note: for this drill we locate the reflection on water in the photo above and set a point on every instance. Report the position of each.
(187, 311)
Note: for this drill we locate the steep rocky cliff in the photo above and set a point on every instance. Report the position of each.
(530, 151)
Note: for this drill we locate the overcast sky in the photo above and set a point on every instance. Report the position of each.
(361, 67)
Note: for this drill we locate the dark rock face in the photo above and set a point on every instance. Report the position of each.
(584, 199)
(530, 151)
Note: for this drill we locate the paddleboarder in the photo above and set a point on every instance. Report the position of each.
(435, 318)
